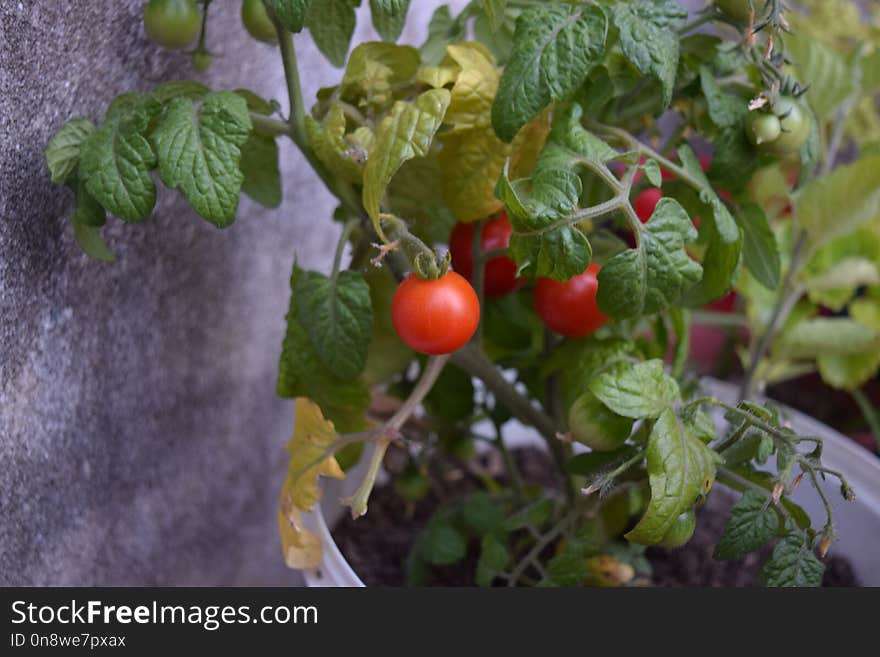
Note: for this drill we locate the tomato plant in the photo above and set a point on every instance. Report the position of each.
(568, 125)
(499, 271)
(435, 316)
(172, 23)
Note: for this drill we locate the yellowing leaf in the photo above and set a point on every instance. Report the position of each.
(527, 145)
(471, 163)
(471, 103)
(404, 134)
(328, 140)
(312, 437)
(438, 76)
(373, 70)
(301, 548)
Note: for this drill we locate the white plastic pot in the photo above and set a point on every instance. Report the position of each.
(857, 523)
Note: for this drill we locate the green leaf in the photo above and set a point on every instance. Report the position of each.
(494, 10)
(442, 30)
(550, 249)
(726, 110)
(255, 103)
(499, 41)
(87, 218)
(115, 162)
(680, 469)
(62, 151)
(494, 558)
(331, 23)
(839, 203)
(259, 164)
(793, 564)
(199, 150)
(389, 17)
(291, 13)
(643, 390)
(701, 424)
(545, 242)
(722, 235)
(191, 89)
(443, 544)
(653, 276)
(649, 38)
(452, 396)
(338, 316)
(752, 524)
(826, 335)
(569, 566)
(831, 78)
(302, 373)
(760, 251)
(480, 513)
(849, 371)
(556, 45)
(535, 514)
(652, 172)
(406, 133)
(90, 241)
(86, 210)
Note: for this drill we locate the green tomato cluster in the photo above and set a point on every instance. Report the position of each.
(781, 132)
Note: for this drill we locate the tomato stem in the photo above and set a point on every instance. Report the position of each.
(433, 367)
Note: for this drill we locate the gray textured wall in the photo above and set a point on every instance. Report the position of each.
(141, 441)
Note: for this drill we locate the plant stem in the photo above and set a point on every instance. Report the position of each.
(472, 361)
(869, 412)
(784, 303)
(533, 554)
(342, 190)
(509, 463)
(433, 367)
(269, 126)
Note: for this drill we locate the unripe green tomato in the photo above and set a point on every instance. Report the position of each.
(257, 22)
(172, 23)
(201, 61)
(595, 425)
(740, 10)
(762, 128)
(794, 120)
(681, 531)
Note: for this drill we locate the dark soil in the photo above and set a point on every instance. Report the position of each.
(377, 545)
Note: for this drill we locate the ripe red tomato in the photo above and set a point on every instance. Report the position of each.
(645, 203)
(499, 273)
(570, 308)
(435, 316)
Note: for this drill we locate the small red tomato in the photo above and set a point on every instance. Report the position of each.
(435, 316)
(499, 273)
(570, 308)
(645, 203)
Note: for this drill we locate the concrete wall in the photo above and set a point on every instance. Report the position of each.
(141, 440)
